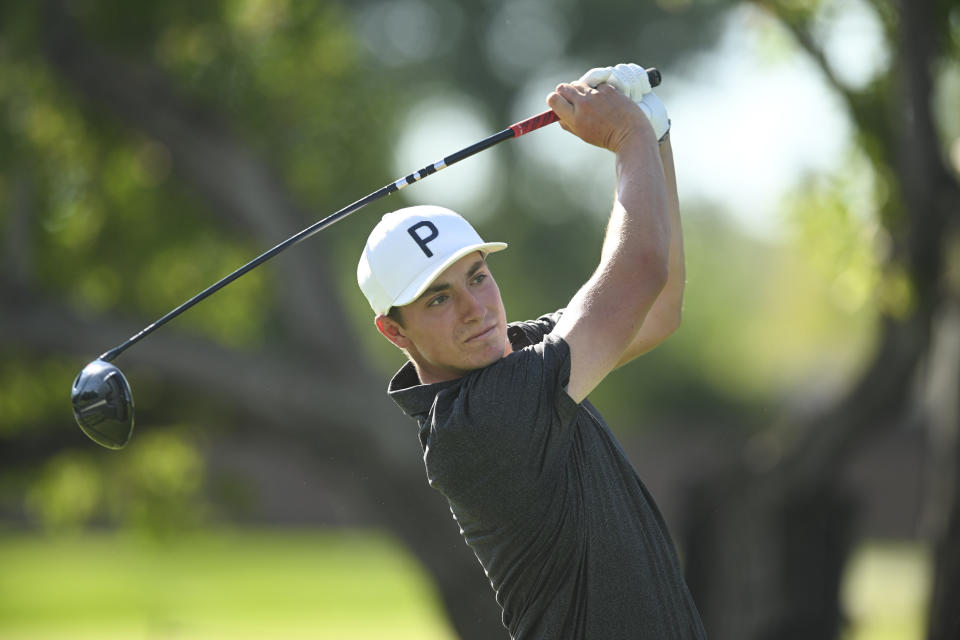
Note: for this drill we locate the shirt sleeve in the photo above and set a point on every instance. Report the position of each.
(507, 429)
(531, 332)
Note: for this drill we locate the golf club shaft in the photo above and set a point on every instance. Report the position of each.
(513, 131)
(516, 130)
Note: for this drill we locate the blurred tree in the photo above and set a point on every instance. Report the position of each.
(770, 533)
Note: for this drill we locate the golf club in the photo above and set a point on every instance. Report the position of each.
(102, 400)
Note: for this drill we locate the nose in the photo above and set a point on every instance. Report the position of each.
(471, 307)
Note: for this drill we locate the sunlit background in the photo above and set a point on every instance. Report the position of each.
(271, 490)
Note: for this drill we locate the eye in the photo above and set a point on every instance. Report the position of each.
(480, 277)
(440, 299)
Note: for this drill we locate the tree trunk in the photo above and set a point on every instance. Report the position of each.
(943, 506)
(764, 564)
(767, 538)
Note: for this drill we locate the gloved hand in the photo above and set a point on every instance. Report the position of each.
(631, 80)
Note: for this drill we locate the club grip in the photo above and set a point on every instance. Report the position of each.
(653, 75)
(534, 123)
(549, 117)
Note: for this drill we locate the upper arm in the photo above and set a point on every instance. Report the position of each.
(604, 318)
(665, 314)
(660, 323)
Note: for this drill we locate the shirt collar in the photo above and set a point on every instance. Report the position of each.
(411, 395)
(416, 398)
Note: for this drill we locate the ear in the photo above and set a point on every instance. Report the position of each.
(391, 331)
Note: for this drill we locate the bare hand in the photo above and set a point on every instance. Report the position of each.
(602, 117)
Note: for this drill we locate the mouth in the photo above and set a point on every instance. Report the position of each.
(483, 334)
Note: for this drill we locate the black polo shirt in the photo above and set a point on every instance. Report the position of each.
(570, 539)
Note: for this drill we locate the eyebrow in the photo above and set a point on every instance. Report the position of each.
(442, 286)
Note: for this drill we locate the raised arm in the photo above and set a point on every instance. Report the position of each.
(664, 316)
(606, 315)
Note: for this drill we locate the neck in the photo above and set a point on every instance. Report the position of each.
(431, 375)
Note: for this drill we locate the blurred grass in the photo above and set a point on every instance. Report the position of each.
(885, 592)
(320, 585)
(214, 584)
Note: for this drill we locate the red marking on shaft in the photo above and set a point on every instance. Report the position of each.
(531, 124)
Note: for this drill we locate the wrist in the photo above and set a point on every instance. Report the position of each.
(638, 136)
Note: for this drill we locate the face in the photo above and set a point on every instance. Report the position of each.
(456, 326)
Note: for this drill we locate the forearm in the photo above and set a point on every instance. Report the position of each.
(664, 315)
(638, 235)
(670, 300)
(634, 261)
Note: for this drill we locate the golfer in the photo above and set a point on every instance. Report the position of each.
(544, 495)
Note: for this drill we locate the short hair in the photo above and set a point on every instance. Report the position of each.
(395, 315)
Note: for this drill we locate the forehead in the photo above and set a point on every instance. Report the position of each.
(460, 270)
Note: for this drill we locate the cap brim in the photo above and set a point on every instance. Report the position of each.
(426, 278)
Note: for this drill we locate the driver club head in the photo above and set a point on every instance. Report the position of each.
(103, 404)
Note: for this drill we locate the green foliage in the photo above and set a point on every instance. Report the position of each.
(66, 493)
(113, 228)
(34, 395)
(103, 198)
(108, 202)
(153, 489)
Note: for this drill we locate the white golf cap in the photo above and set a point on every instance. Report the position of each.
(409, 248)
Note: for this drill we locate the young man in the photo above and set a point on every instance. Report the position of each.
(570, 539)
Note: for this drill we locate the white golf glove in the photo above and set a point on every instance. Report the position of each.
(631, 80)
